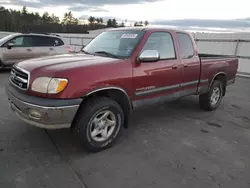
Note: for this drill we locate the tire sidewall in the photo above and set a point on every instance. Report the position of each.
(214, 85)
(85, 124)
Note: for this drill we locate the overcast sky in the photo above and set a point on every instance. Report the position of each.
(139, 9)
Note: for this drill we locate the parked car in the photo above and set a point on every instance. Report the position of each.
(93, 92)
(19, 47)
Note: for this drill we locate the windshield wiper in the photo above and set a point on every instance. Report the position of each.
(85, 52)
(107, 53)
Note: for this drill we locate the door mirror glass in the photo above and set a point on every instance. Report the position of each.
(10, 45)
(149, 56)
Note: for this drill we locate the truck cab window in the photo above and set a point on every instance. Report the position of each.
(186, 45)
(163, 43)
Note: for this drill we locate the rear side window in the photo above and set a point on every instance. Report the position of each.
(46, 41)
(41, 41)
(186, 45)
(163, 43)
(57, 41)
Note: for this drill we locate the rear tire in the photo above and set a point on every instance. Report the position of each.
(99, 123)
(212, 99)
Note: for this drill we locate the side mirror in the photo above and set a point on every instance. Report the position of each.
(10, 45)
(149, 56)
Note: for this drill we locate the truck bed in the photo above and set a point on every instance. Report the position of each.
(212, 64)
(215, 56)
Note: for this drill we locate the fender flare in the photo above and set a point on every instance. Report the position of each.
(111, 88)
(219, 73)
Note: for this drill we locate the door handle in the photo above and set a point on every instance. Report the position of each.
(174, 66)
(51, 49)
(185, 65)
(29, 50)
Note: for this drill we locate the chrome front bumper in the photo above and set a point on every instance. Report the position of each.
(55, 116)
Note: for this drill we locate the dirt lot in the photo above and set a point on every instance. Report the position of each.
(170, 146)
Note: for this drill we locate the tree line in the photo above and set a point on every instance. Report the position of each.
(25, 21)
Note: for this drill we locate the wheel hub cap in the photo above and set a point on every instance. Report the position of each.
(102, 126)
(215, 96)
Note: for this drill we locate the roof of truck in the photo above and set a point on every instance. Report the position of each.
(148, 28)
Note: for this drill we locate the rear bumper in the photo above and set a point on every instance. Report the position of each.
(41, 112)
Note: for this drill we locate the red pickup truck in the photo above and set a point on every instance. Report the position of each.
(95, 90)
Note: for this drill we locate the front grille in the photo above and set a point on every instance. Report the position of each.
(19, 77)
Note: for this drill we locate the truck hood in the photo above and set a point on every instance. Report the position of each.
(63, 62)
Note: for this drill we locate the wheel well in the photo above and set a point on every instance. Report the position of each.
(120, 97)
(222, 78)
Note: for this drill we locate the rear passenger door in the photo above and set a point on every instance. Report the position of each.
(190, 64)
(43, 46)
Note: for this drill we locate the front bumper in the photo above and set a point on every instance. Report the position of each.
(41, 112)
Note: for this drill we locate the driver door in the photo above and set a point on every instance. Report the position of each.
(156, 82)
(21, 50)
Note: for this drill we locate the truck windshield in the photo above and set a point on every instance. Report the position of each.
(116, 44)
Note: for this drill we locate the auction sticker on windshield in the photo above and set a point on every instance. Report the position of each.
(129, 36)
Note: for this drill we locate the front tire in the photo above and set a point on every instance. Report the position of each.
(1, 64)
(99, 123)
(212, 99)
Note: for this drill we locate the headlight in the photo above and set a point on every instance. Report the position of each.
(49, 85)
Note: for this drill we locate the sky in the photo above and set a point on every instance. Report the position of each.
(137, 10)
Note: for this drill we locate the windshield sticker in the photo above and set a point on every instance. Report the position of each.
(129, 36)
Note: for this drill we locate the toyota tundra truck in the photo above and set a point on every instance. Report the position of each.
(94, 91)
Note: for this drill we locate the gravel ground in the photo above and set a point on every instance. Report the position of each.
(170, 146)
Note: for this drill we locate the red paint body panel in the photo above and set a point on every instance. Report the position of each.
(158, 74)
(87, 72)
(210, 67)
